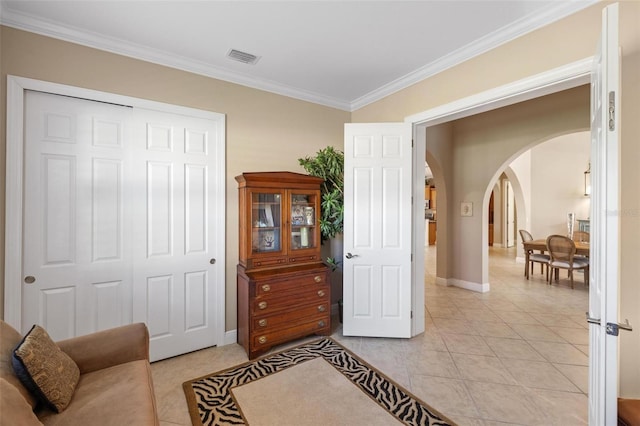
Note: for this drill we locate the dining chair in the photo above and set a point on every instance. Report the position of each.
(581, 236)
(562, 251)
(541, 258)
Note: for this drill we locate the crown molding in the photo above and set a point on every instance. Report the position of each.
(484, 44)
(33, 24)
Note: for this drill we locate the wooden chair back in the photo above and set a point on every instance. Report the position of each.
(581, 236)
(561, 248)
(525, 235)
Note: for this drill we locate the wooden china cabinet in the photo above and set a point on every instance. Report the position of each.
(283, 285)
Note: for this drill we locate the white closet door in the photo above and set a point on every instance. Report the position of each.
(77, 264)
(123, 222)
(174, 236)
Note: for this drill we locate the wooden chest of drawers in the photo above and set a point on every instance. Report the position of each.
(279, 305)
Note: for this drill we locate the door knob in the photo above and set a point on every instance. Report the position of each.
(349, 255)
(212, 261)
(29, 279)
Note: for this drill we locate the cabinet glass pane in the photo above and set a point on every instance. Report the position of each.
(303, 221)
(266, 217)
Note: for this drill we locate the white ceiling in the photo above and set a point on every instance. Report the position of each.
(343, 54)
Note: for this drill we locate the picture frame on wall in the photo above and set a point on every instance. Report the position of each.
(466, 209)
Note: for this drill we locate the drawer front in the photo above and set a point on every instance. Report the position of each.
(268, 323)
(302, 283)
(267, 306)
(266, 262)
(268, 339)
(303, 259)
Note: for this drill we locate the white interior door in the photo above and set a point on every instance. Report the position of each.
(377, 230)
(509, 214)
(77, 257)
(603, 279)
(174, 252)
(122, 211)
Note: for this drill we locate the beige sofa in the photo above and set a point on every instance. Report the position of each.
(115, 386)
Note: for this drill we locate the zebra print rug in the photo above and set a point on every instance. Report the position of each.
(211, 401)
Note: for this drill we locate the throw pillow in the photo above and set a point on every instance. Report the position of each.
(45, 370)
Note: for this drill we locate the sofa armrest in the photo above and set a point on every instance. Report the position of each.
(107, 348)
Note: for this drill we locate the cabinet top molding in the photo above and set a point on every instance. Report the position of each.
(267, 179)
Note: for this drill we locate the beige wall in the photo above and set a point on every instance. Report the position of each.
(264, 131)
(439, 154)
(483, 146)
(550, 178)
(557, 183)
(558, 44)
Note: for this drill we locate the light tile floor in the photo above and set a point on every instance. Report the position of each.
(515, 355)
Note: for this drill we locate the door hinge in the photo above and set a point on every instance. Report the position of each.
(612, 111)
(411, 314)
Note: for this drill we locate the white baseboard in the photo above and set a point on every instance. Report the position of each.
(520, 259)
(497, 245)
(468, 285)
(230, 337)
(442, 281)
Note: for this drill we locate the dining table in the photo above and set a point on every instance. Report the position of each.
(582, 249)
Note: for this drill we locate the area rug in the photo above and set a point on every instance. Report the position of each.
(318, 383)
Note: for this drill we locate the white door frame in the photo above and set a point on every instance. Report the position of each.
(16, 87)
(562, 78)
(509, 198)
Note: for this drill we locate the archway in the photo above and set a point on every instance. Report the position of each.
(571, 150)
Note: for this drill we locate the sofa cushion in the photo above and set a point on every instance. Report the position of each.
(118, 395)
(9, 339)
(45, 370)
(13, 406)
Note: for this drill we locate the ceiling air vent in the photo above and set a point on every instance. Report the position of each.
(244, 57)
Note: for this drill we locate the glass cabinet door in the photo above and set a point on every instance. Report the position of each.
(266, 218)
(303, 221)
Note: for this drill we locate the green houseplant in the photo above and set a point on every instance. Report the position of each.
(329, 165)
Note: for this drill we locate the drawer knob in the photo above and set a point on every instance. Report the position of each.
(262, 323)
(321, 308)
(321, 293)
(317, 279)
(262, 339)
(321, 324)
(266, 287)
(262, 305)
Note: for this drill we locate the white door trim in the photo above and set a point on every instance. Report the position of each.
(562, 78)
(16, 87)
